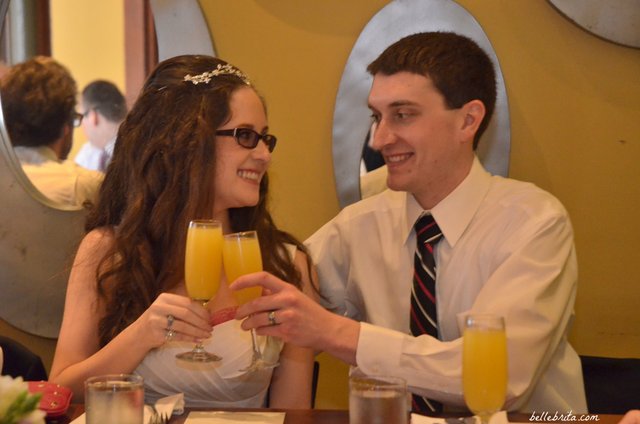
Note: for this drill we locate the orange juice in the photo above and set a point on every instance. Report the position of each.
(241, 255)
(484, 369)
(203, 261)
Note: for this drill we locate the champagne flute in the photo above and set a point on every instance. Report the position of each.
(202, 268)
(484, 364)
(241, 255)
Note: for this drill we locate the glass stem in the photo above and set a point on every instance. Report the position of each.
(256, 349)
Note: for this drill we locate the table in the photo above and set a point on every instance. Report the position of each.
(293, 416)
(326, 416)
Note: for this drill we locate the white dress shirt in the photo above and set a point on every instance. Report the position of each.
(507, 249)
(92, 157)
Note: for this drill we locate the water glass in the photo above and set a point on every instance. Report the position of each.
(116, 398)
(377, 400)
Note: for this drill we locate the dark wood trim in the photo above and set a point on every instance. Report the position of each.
(43, 26)
(141, 46)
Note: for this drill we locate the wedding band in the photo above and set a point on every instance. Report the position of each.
(272, 318)
(170, 319)
(169, 335)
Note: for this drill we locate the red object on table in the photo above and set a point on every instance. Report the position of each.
(55, 399)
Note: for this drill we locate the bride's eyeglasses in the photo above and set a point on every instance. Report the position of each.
(248, 138)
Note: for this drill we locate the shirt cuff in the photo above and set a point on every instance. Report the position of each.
(379, 350)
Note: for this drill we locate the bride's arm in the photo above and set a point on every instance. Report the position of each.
(78, 354)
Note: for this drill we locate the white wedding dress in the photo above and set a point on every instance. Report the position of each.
(216, 384)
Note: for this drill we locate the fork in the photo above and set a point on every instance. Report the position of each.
(158, 418)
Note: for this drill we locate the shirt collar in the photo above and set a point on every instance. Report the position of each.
(454, 213)
(36, 155)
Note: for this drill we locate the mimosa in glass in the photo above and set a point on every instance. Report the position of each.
(241, 255)
(202, 270)
(484, 364)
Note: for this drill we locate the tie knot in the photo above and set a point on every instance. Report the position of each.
(427, 230)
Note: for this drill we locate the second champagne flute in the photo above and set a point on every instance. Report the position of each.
(202, 270)
(484, 364)
(241, 255)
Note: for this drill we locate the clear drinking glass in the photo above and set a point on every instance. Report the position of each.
(377, 400)
(117, 398)
(484, 364)
(202, 271)
(241, 255)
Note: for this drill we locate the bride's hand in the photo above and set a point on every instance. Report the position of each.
(173, 317)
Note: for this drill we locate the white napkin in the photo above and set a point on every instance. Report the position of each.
(169, 405)
(228, 417)
(497, 418)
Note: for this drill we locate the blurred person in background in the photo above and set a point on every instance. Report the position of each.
(38, 101)
(103, 108)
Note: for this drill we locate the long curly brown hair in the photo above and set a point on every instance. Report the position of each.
(160, 177)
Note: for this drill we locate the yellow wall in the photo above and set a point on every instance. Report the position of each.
(88, 37)
(574, 107)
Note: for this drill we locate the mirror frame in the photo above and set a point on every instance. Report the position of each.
(613, 20)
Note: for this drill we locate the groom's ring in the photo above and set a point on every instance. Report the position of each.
(272, 318)
(170, 319)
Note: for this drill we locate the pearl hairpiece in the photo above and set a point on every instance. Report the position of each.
(227, 69)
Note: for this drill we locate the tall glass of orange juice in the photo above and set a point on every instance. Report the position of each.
(484, 364)
(241, 255)
(202, 269)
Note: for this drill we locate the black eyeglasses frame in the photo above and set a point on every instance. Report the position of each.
(76, 119)
(240, 135)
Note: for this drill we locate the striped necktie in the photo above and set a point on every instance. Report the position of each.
(424, 318)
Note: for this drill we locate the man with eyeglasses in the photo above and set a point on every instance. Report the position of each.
(38, 101)
(103, 109)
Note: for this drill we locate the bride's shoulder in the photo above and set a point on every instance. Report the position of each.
(98, 239)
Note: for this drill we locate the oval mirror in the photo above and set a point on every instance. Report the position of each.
(38, 237)
(613, 20)
(351, 119)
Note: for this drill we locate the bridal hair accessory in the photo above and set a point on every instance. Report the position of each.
(227, 69)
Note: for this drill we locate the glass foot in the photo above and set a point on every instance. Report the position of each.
(198, 356)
